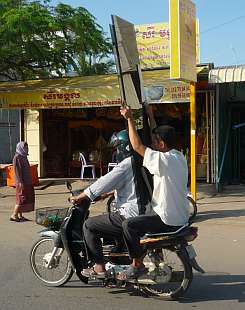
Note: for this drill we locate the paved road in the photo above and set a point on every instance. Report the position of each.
(220, 247)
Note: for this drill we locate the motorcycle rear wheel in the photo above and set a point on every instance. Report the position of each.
(61, 269)
(174, 278)
(192, 208)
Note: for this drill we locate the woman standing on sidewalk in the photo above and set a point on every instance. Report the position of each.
(25, 197)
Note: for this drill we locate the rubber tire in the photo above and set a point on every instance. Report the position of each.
(194, 205)
(188, 276)
(65, 278)
(108, 204)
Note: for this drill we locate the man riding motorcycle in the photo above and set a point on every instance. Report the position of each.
(169, 209)
(122, 180)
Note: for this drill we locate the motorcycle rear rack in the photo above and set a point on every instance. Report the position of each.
(116, 254)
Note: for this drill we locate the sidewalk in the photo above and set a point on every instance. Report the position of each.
(223, 208)
(49, 193)
(227, 207)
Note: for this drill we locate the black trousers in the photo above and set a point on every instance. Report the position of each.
(136, 227)
(101, 226)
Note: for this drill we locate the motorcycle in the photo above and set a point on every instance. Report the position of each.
(61, 251)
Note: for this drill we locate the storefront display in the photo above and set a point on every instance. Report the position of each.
(67, 133)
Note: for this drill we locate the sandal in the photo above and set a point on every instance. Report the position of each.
(14, 219)
(24, 219)
(132, 273)
(91, 273)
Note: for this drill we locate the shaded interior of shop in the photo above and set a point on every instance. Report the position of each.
(232, 114)
(178, 116)
(237, 144)
(67, 132)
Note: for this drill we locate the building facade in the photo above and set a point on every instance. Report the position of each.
(62, 117)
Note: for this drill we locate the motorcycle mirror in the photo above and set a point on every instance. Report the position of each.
(68, 185)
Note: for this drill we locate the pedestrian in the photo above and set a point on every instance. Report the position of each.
(25, 197)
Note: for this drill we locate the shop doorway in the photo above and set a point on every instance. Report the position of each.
(242, 148)
(238, 144)
(55, 144)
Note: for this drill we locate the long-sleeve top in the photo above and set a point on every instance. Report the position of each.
(120, 179)
(21, 169)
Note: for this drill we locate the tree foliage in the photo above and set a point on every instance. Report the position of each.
(38, 40)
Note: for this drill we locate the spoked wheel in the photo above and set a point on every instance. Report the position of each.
(60, 269)
(192, 208)
(170, 279)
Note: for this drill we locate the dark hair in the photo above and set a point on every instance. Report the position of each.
(167, 134)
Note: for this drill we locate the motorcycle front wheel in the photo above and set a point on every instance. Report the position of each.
(171, 278)
(60, 269)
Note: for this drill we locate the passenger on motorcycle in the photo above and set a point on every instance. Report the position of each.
(121, 179)
(168, 210)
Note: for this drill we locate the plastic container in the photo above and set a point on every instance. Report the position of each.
(10, 175)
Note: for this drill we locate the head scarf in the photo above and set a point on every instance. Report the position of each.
(20, 149)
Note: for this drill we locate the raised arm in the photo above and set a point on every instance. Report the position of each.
(135, 140)
(150, 114)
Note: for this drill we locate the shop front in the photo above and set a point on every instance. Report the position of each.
(230, 119)
(173, 108)
(65, 117)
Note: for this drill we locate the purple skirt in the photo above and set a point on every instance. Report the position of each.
(25, 197)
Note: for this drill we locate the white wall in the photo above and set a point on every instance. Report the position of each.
(33, 136)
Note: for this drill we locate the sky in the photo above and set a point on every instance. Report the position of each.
(222, 23)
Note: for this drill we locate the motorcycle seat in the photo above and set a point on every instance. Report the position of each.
(151, 237)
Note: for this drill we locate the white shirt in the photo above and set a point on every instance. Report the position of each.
(169, 199)
(121, 179)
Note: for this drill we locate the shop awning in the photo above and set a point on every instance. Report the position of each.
(88, 91)
(227, 74)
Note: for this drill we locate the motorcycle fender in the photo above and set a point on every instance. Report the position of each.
(53, 235)
(195, 265)
(192, 257)
(190, 254)
(48, 233)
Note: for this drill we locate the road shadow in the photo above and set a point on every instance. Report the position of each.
(40, 194)
(216, 287)
(215, 202)
(61, 181)
(211, 286)
(112, 289)
(218, 214)
(208, 287)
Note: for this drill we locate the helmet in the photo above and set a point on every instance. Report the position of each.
(120, 141)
